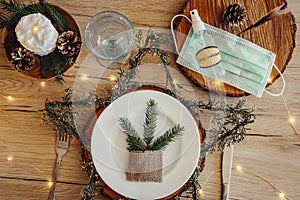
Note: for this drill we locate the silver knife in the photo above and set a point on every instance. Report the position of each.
(226, 170)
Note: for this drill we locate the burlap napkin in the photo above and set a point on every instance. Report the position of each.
(145, 166)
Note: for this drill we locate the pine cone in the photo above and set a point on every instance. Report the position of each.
(68, 43)
(22, 59)
(234, 15)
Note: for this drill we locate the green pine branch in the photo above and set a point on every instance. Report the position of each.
(15, 10)
(55, 16)
(136, 143)
(150, 121)
(23, 11)
(11, 6)
(53, 63)
(4, 18)
(133, 140)
(169, 136)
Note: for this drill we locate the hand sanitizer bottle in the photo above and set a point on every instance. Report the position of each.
(207, 53)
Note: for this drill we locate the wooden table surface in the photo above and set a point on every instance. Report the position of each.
(27, 154)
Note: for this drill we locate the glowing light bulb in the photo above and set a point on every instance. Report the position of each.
(50, 183)
(282, 195)
(10, 158)
(35, 29)
(112, 78)
(10, 98)
(239, 168)
(217, 82)
(84, 77)
(43, 84)
(269, 80)
(200, 191)
(291, 120)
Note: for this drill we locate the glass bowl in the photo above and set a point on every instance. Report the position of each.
(109, 35)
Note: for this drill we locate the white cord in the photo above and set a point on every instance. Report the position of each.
(172, 30)
(283, 86)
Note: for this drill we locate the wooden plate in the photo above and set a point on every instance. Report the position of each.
(276, 35)
(35, 71)
(88, 129)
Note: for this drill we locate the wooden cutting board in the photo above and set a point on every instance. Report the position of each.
(276, 35)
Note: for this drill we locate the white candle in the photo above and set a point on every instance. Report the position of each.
(36, 33)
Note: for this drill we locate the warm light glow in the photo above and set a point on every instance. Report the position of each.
(112, 78)
(291, 120)
(43, 84)
(35, 29)
(200, 192)
(50, 183)
(83, 77)
(217, 82)
(10, 98)
(269, 80)
(10, 158)
(239, 168)
(282, 195)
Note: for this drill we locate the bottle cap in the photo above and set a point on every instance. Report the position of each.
(197, 23)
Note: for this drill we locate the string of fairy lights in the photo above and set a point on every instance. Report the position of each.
(290, 118)
(18, 98)
(201, 191)
(11, 160)
(239, 169)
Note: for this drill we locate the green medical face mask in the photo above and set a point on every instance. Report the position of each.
(243, 65)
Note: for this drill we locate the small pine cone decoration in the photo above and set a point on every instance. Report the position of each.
(234, 15)
(68, 43)
(22, 59)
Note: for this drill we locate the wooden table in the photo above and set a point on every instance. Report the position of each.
(27, 154)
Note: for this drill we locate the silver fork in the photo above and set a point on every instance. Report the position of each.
(62, 146)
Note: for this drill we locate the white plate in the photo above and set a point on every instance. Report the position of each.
(109, 147)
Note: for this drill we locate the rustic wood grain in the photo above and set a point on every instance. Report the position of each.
(41, 190)
(277, 35)
(271, 149)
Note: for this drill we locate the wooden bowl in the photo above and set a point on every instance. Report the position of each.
(35, 70)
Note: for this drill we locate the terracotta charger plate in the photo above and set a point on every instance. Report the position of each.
(35, 71)
(276, 35)
(87, 156)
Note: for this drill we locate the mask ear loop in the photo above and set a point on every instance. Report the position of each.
(177, 50)
(283, 87)
(172, 30)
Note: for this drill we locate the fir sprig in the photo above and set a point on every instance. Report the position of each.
(169, 136)
(11, 6)
(133, 140)
(4, 18)
(54, 63)
(54, 15)
(150, 121)
(61, 113)
(16, 9)
(17, 12)
(136, 143)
